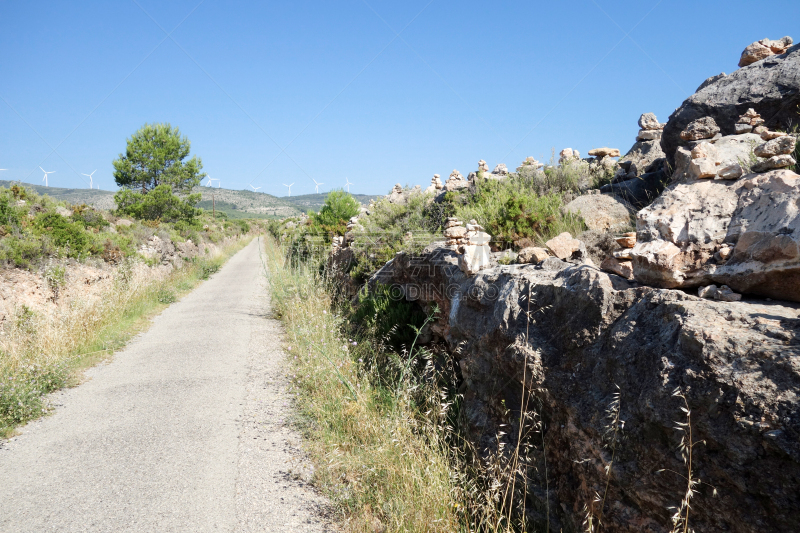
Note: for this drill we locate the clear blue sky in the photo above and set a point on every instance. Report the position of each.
(282, 92)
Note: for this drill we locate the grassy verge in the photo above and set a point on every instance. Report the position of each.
(42, 353)
(383, 464)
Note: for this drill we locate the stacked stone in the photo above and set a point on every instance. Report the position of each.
(476, 254)
(763, 49)
(620, 262)
(436, 184)
(482, 166)
(603, 162)
(776, 151)
(500, 170)
(650, 128)
(705, 164)
(455, 182)
(352, 224)
(750, 122)
(530, 162)
(455, 232)
(568, 154)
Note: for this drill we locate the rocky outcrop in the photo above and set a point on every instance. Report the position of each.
(686, 236)
(562, 340)
(771, 87)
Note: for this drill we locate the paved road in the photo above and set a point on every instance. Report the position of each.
(184, 430)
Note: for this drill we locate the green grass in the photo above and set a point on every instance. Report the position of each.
(40, 354)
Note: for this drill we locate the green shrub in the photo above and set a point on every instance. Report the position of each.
(88, 217)
(378, 314)
(71, 236)
(339, 207)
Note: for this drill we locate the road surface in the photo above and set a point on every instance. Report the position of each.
(183, 430)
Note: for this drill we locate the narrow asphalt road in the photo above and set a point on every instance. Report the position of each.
(183, 430)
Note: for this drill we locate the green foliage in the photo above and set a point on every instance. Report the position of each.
(796, 156)
(21, 393)
(88, 217)
(157, 204)
(383, 316)
(339, 207)
(153, 164)
(516, 208)
(165, 295)
(65, 234)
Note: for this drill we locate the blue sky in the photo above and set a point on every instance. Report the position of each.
(282, 92)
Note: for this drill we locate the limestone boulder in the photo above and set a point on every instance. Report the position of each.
(618, 267)
(702, 128)
(763, 49)
(601, 211)
(681, 231)
(532, 254)
(455, 182)
(564, 245)
(685, 238)
(474, 259)
(781, 145)
(774, 162)
(765, 234)
(649, 121)
(725, 150)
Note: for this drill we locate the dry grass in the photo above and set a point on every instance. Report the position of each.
(385, 467)
(41, 352)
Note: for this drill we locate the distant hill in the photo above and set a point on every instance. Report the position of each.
(94, 197)
(314, 202)
(235, 204)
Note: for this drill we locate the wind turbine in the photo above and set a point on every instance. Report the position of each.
(289, 187)
(347, 184)
(45, 175)
(254, 188)
(90, 177)
(316, 185)
(210, 181)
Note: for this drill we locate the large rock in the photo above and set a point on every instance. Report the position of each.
(763, 49)
(728, 149)
(563, 245)
(680, 236)
(604, 152)
(642, 155)
(765, 232)
(563, 341)
(601, 211)
(770, 86)
(780, 145)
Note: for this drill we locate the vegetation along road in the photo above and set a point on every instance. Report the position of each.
(184, 430)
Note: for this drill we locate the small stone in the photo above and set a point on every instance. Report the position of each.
(648, 121)
(474, 226)
(743, 128)
(648, 135)
(532, 254)
(563, 246)
(627, 240)
(624, 254)
(702, 128)
(704, 149)
(567, 154)
(758, 130)
(769, 135)
(725, 252)
(455, 232)
(615, 266)
(775, 162)
(730, 170)
(703, 167)
(781, 145)
(604, 152)
(725, 294)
